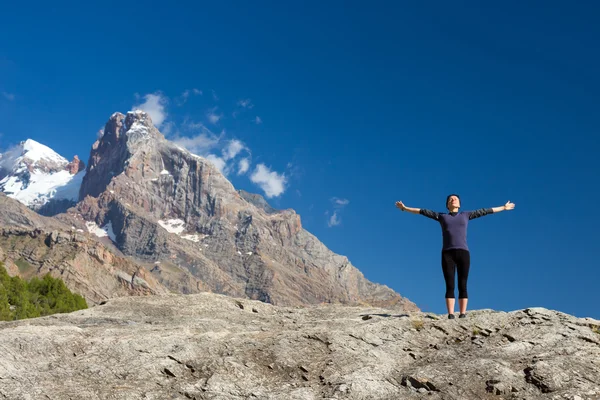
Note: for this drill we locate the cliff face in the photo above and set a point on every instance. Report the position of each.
(209, 346)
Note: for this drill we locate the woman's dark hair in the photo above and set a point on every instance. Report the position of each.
(448, 198)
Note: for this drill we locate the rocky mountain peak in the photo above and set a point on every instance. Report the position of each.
(124, 136)
(165, 205)
(35, 174)
(138, 117)
(113, 130)
(30, 155)
(139, 129)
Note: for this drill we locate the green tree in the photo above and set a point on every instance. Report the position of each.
(5, 313)
(4, 277)
(38, 297)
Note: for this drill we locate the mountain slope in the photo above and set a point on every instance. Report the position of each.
(175, 211)
(33, 245)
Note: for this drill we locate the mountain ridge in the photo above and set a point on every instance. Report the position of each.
(178, 216)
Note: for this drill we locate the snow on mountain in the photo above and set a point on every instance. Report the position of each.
(35, 151)
(34, 174)
(70, 190)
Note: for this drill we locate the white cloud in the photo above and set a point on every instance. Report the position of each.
(339, 203)
(334, 220)
(246, 103)
(207, 144)
(8, 96)
(244, 165)
(272, 183)
(233, 148)
(214, 94)
(154, 105)
(197, 91)
(212, 115)
(200, 144)
(258, 120)
(9, 156)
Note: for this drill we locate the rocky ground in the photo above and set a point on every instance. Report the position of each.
(209, 346)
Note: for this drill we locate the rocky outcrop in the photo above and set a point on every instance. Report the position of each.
(106, 157)
(75, 166)
(258, 201)
(209, 346)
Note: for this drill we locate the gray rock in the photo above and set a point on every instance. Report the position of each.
(210, 346)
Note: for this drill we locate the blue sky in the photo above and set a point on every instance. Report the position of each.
(358, 105)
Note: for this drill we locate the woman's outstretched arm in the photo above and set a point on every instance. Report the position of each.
(486, 211)
(402, 207)
(507, 206)
(422, 211)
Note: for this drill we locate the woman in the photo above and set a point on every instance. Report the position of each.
(455, 252)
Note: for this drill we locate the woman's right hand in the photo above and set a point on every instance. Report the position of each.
(400, 205)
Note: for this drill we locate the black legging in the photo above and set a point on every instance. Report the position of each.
(451, 261)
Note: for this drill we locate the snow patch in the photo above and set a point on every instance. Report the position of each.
(173, 225)
(177, 226)
(95, 229)
(109, 231)
(138, 131)
(164, 172)
(105, 231)
(193, 238)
